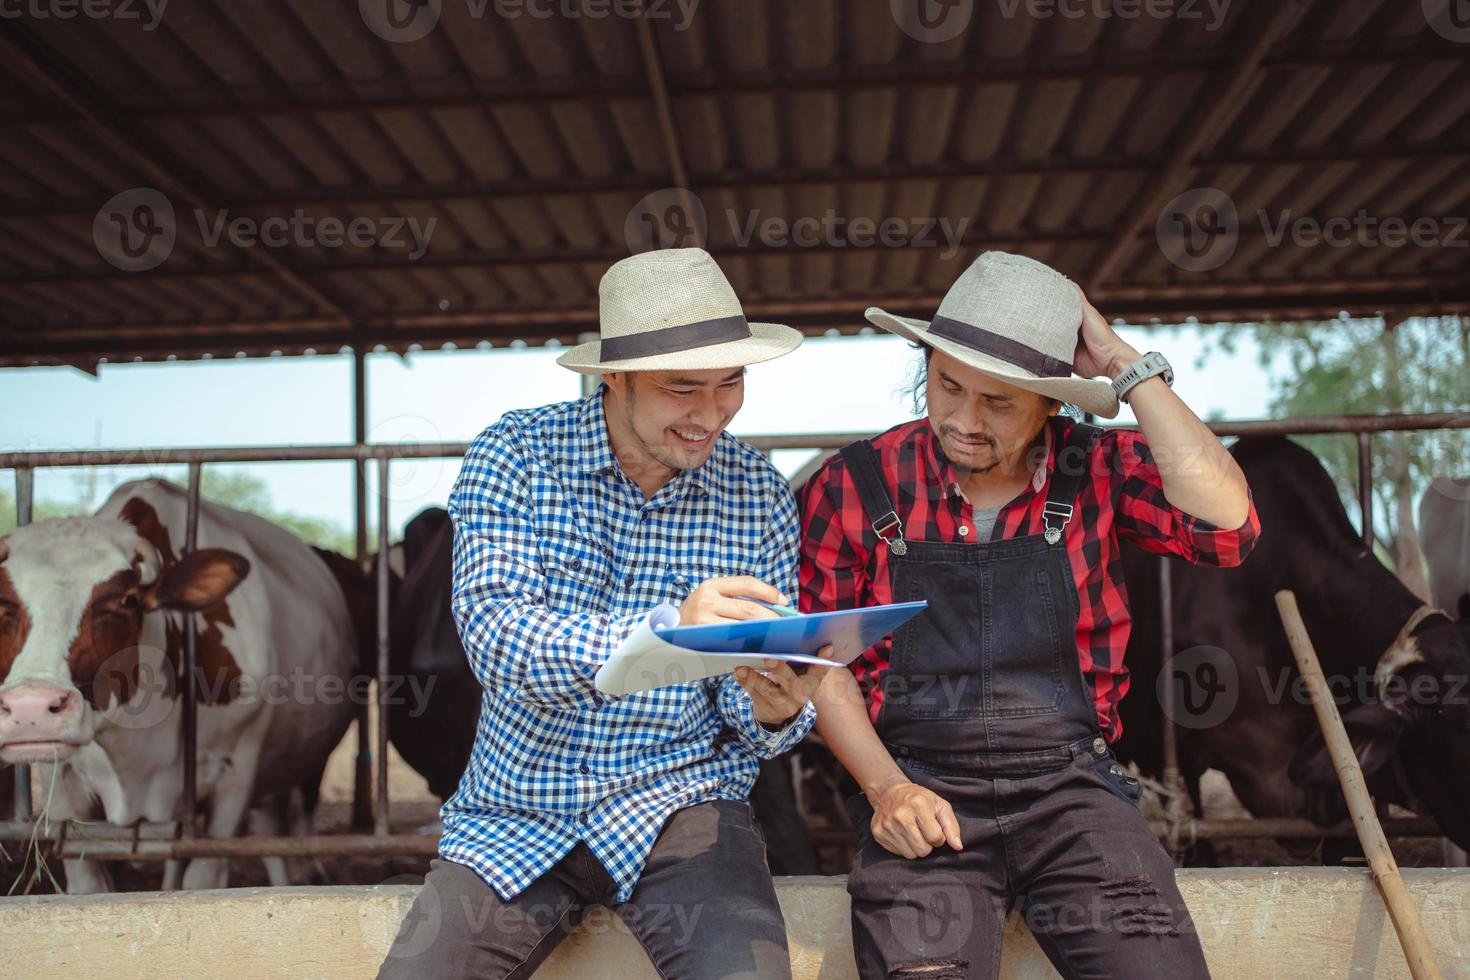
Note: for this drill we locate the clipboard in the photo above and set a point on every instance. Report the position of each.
(661, 653)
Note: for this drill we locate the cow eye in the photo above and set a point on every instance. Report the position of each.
(129, 601)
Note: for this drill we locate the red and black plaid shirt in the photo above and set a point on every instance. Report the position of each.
(1122, 498)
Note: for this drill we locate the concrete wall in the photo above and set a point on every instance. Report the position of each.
(1255, 923)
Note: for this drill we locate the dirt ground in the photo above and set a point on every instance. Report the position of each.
(415, 809)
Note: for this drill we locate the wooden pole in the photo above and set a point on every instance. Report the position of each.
(1422, 963)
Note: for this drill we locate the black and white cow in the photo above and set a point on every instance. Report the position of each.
(1444, 535)
(1399, 669)
(91, 639)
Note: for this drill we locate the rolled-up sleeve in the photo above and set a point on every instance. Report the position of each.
(778, 568)
(1146, 517)
(514, 643)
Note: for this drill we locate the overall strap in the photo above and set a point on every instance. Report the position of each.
(862, 462)
(1069, 474)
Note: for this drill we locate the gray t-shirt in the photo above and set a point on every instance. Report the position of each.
(985, 521)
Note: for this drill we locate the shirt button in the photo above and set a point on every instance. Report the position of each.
(964, 530)
(628, 581)
(582, 817)
(1099, 746)
(583, 768)
(575, 564)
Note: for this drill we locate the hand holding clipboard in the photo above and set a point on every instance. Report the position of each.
(661, 653)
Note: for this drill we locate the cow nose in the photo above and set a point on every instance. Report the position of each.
(33, 713)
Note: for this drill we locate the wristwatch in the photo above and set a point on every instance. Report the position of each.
(1150, 365)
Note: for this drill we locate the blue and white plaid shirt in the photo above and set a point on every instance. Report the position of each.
(557, 557)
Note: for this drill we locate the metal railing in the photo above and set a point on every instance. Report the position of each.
(177, 840)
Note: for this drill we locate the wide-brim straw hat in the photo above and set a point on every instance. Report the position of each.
(1014, 319)
(673, 309)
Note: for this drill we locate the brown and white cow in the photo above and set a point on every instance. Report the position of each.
(91, 643)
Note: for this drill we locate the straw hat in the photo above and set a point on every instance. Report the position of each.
(1014, 319)
(673, 309)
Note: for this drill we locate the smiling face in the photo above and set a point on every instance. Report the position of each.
(670, 419)
(981, 421)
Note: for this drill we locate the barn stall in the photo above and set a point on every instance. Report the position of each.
(544, 148)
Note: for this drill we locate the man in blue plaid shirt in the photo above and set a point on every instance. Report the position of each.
(571, 523)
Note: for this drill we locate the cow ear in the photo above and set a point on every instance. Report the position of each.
(1375, 731)
(199, 580)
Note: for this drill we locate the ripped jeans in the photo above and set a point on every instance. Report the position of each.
(1066, 847)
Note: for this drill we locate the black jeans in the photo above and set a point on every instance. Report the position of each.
(1068, 846)
(704, 906)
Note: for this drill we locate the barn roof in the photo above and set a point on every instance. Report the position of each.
(531, 140)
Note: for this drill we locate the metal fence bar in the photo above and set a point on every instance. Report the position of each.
(1314, 425)
(191, 666)
(362, 770)
(1172, 780)
(120, 844)
(24, 463)
(25, 496)
(1365, 486)
(380, 827)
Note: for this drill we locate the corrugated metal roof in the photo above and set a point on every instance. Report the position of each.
(529, 142)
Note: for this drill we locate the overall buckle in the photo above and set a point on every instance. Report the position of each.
(890, 522)
(1050, 510)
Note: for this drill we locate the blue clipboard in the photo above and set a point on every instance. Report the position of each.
(849, 631)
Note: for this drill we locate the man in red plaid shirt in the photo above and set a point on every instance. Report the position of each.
(979, 734)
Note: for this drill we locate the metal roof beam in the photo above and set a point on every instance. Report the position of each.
(1228, 298)
(519, 188)
(547, 92)
(1217, 110)
(86, 100)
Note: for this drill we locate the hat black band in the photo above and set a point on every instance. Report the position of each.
(1011, 351)
(672, 340)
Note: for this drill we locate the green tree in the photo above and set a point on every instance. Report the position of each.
(1373, 366)
(41, 510)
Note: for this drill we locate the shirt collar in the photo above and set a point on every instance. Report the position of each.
(592, 452)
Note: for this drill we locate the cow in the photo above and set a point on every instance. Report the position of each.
(91, 651)
(1397, 667)
(1444, 536)
(434, 737)
(433, 726)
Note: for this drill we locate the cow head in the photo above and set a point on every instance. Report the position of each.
(1413, 740)
(74, 594)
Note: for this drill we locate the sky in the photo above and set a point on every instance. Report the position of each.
(830, 384)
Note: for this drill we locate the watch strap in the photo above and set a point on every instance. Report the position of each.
(1150, 365)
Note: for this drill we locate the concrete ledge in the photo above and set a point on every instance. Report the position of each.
(1287, 922)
